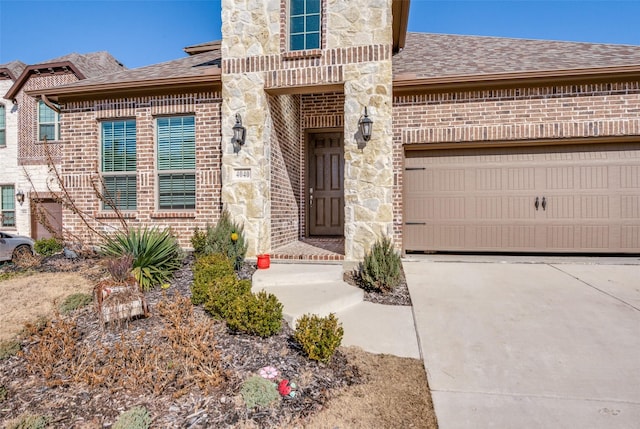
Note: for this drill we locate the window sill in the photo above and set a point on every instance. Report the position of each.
(48, 142)
(173, 215)
(307, 53)
(113, 215)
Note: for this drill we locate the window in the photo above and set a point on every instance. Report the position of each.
(304, 25)
(7, 206)
(3, 127)
(119, 164)
(176, 138)
(48, 123)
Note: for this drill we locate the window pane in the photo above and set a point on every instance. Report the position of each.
(313, 41)
(8, 218)
(47, 131)
(313, 23)
(313, 6)
(297, 42)
(121, 191)
(297, 7)
(2, 117)
(119, 146)
(297, 25)
(177, 191)
(45, 114)
(3, 138)
(7, 201)
(176, 139)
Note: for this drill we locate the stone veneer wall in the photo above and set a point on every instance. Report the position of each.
(512, 115)
(81, 155)
(356, 53)
(286, 170)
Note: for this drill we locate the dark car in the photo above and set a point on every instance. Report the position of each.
(12, 245)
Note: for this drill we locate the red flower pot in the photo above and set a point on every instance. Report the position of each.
(263, 262)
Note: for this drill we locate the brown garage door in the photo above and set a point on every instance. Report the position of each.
(542, 199)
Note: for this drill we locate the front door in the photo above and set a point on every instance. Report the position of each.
(326, 184)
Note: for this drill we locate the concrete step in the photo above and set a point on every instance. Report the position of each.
(313, 298)
(297, 274)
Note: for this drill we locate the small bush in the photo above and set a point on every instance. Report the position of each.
(319, 336)
(9, 348)
(28, 421)
(206, 271)
(381, 268)
(135, 418)
(259, 392)
(256, 314)
(223, 292)
(156, 254)
(74, 302)
(48, 246)
(120, 268)
(23, 258)
(227, 237)
(3, 393)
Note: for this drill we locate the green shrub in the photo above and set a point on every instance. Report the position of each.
(381, 268)
(28, 421)
(74, 302)
(223, 292)
(258, 391)
(255, 314)
(9, 348)
(156, 254)
(226, 237)
(135, 418)
(48, 246)
(319, 336)
(3, 393)
(206, 271)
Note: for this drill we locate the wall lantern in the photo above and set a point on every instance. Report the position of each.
(20, 196)
(365, 125)
(239, 133)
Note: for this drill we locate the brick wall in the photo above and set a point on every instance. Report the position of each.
(517, 114)
(286, 170)
(30, 150)
(80, 162)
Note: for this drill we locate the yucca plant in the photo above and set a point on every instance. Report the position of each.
(156, 254)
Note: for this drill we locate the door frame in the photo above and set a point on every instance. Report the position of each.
(306, 163)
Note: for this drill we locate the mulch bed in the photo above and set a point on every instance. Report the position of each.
(78, 406)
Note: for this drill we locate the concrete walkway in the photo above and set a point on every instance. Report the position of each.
(319, 289)
(529, 345)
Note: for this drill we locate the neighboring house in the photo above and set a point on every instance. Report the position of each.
(478, 143)
(11, 212)
(38, 120)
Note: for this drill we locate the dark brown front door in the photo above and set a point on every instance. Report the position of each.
(326, 184)
(46, 219)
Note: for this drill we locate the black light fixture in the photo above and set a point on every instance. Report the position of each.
(239, 133)
(365, 124)
(20, 196)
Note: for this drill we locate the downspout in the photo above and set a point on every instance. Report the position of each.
(49, 104)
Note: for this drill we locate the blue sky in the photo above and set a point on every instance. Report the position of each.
(146, 32)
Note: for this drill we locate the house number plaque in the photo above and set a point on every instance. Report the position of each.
(243, 173)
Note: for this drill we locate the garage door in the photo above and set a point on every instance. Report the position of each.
(540, 199)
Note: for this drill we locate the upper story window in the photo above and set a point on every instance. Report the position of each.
(304, 25)
(118, 166)
(176, 162)
(48, 123)
(7, 206)
(3, 126)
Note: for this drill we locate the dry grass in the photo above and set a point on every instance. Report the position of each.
(25, 299)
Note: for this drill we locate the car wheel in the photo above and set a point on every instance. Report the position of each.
(20, 251)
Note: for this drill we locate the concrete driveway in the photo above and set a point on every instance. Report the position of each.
(530, 345)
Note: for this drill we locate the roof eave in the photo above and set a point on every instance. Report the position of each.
(407, 83)
(8, 73)
(400, 12)
(103, 90)
(15, 88)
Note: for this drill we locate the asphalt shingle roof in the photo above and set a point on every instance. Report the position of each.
(439, 55)
(92, 64)
(195, 65)
(15, 67)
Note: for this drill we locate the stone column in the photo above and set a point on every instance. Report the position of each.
(368, 178)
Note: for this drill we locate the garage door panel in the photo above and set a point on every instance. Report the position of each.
(592, 196)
